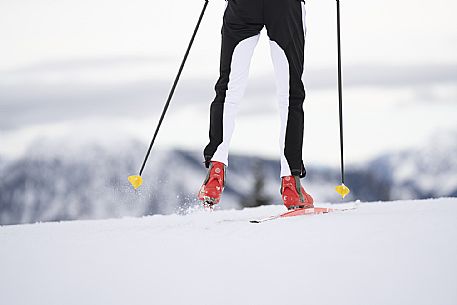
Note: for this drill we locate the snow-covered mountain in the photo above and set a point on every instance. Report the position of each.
(430, 171)
(385, 253)
(88, 181)
(91, 182)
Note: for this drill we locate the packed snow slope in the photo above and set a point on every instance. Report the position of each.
(402, 252)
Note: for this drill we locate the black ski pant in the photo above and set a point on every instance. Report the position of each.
(285, 24)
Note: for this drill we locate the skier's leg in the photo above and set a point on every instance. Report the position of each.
(240, 34)
(285, 22)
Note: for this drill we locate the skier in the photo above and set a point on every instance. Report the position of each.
(242, 22)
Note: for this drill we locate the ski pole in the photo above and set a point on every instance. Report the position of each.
(342, 189)
(136, 180)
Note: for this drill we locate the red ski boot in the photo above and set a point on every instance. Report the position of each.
(211, 190)
(294, 195)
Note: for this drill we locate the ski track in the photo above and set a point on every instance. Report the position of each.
(400, 252)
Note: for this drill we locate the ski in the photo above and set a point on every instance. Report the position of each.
(300, 212)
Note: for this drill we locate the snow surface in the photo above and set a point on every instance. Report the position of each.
(400, 252)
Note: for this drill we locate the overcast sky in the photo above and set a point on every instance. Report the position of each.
(379, 32)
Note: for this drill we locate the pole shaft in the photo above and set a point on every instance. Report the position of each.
(340, 89)
(172, 91)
